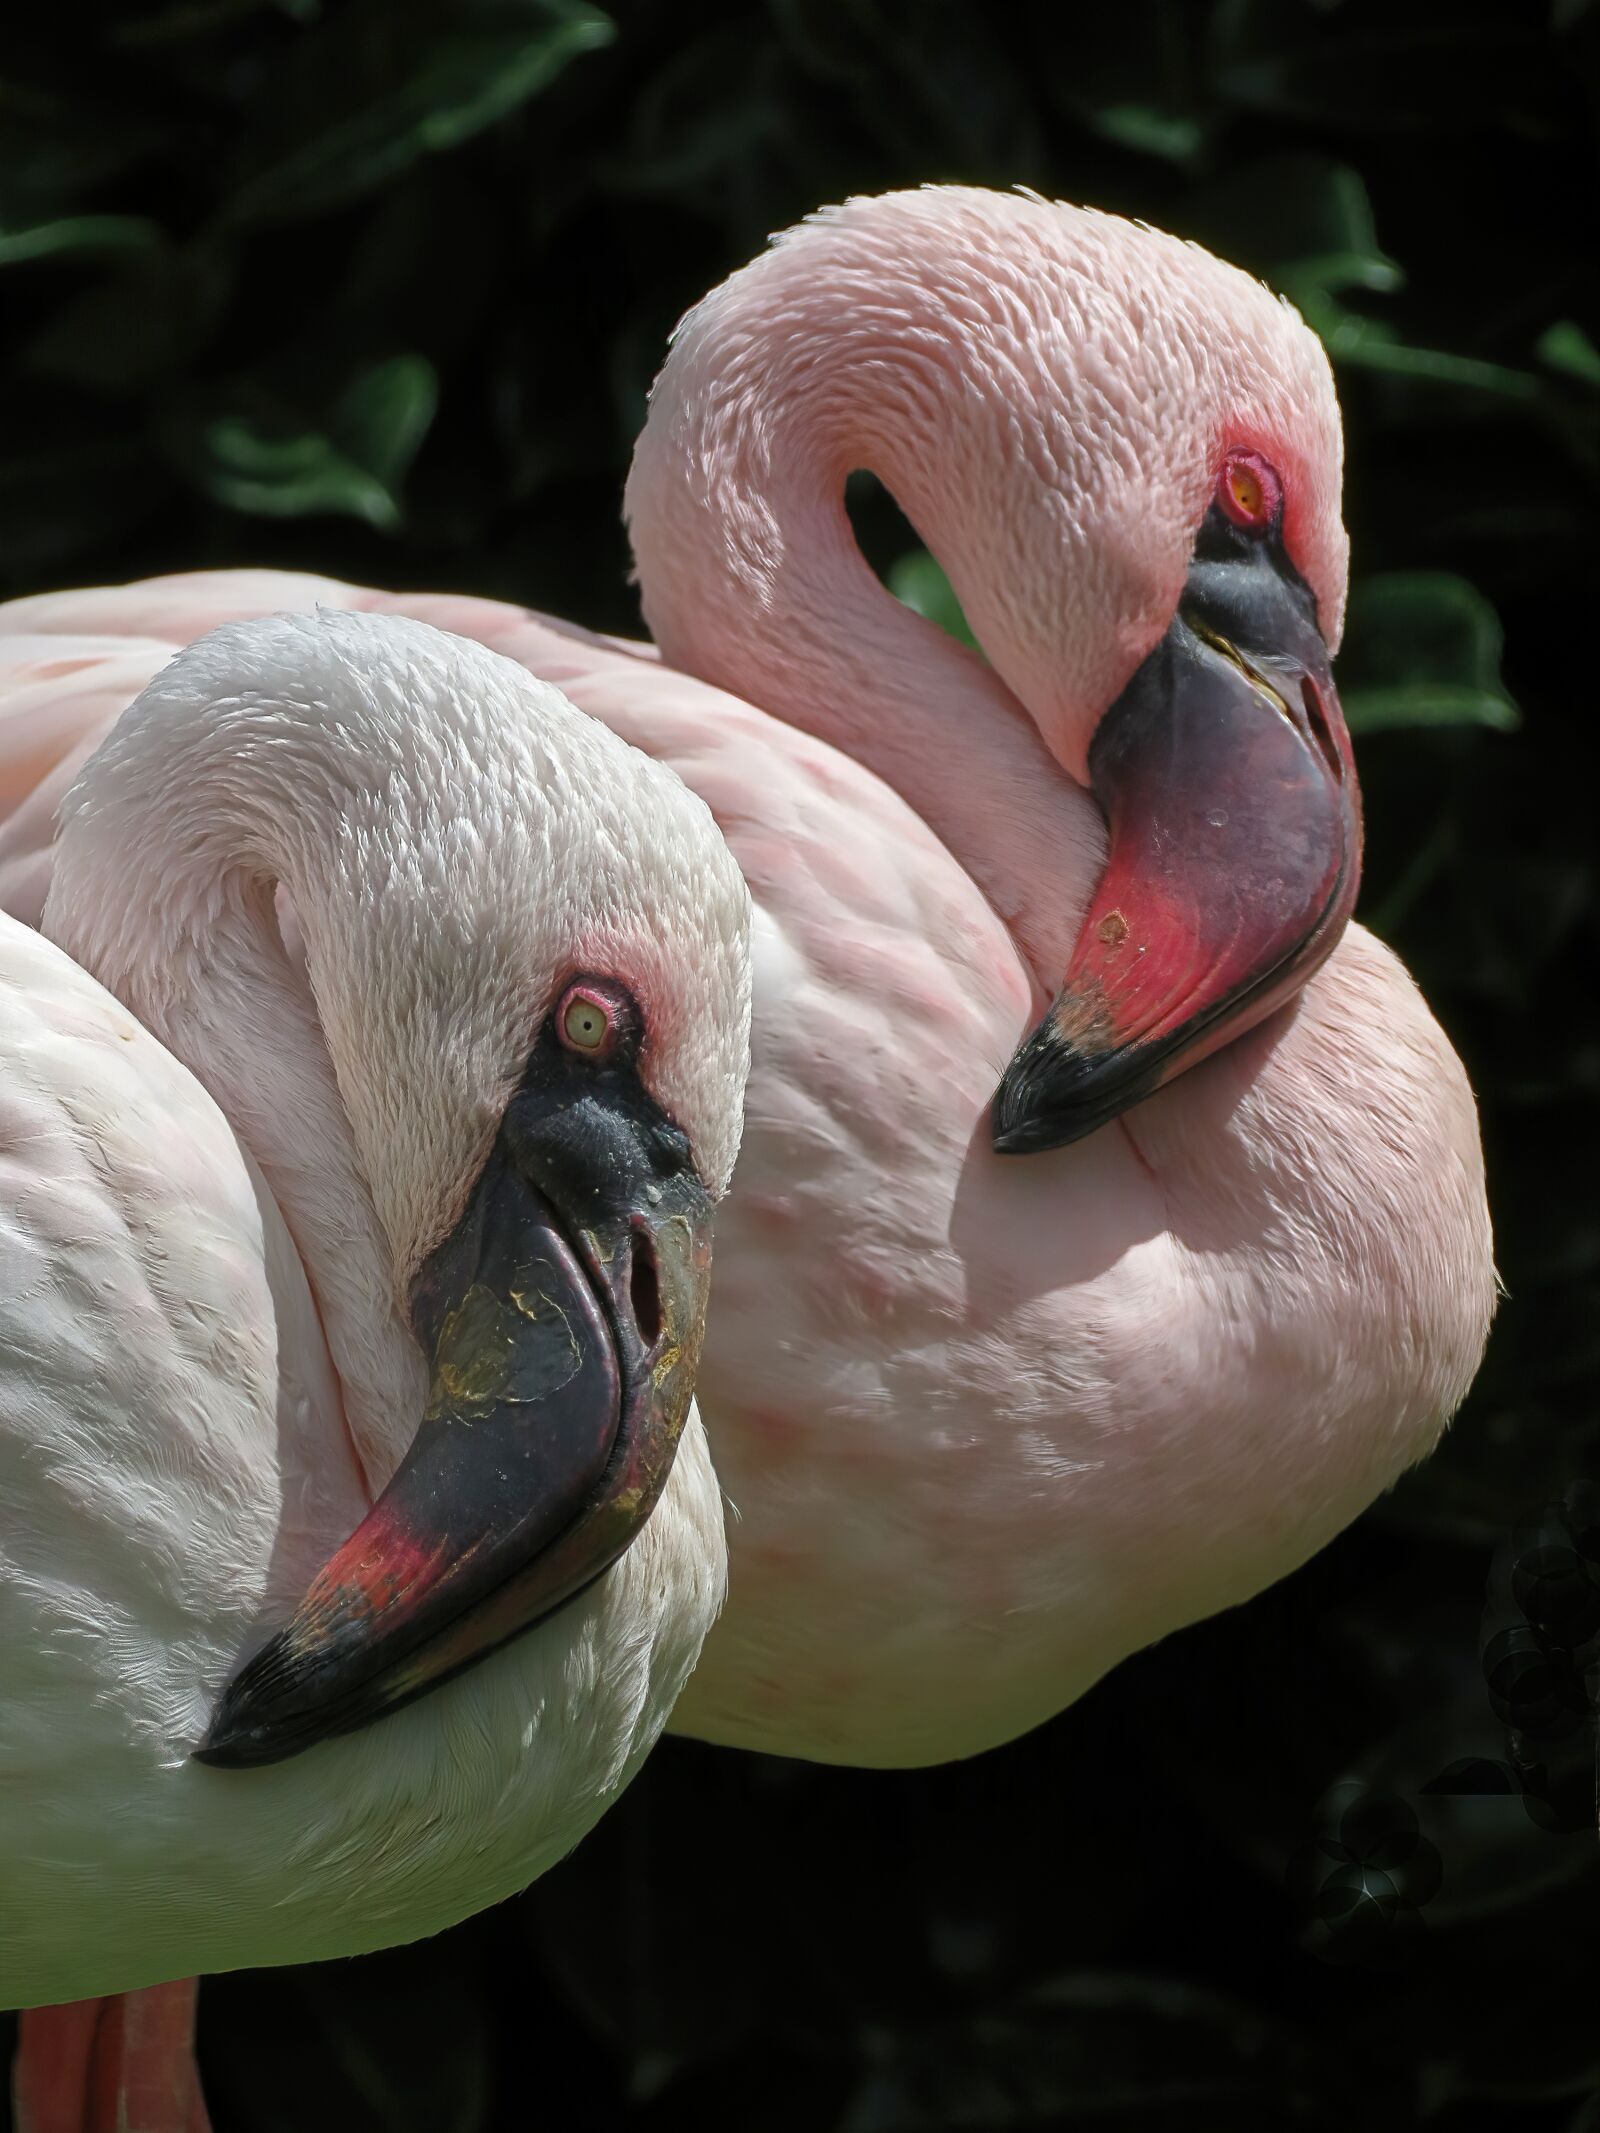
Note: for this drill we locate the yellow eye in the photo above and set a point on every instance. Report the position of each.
(593, 1017)
(585, 1023)
(1246, 492)
(1249, 491)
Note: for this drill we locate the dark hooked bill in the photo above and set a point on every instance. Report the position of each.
(1230, 795)
(563, 1318)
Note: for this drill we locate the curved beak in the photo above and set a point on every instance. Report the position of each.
(563, 1318)
(1229, 789)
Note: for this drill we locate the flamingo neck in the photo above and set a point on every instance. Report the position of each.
(752, 580)
(250, 1033)
(172, 907)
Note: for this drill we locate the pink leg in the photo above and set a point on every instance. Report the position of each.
(122, 2065)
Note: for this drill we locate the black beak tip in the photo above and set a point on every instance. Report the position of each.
(227, 1744)
(1032, 1110)
(1053, 1094)
(1019, 1113)
(251, 1723)
(1016, 1127)
(235, 1741)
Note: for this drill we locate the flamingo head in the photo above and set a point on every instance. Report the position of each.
(1126, 455)
(1225, 772)
(1135, 492)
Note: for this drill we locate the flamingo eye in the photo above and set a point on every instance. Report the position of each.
(1249, 491)
(586, 1021)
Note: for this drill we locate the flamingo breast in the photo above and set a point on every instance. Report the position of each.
(985, 1426)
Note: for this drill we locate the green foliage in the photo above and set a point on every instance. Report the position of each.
(269, 464)
(1422, 648)
(352, 108)
(377, 287)
(917, 579)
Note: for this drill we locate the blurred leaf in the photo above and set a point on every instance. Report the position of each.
(76, 233)
(1567, 347)
(1371, 344)
(689, 1976)
(384, 416)
(53, 150)
(1305, 222)
(713, 102)
(1150, 130)
(271, 466)
(362, 97)
(918, 581)
(1422, 648)
(1128, 75)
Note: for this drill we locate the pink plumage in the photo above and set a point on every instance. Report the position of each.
(985, 1426)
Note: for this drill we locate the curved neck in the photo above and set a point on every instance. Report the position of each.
(164, 891)
(751, 579)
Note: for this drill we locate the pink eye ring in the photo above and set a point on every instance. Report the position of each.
(585, 1022)
(1249, 491)
(591, 1017)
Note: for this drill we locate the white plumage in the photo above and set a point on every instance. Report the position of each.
(205, 1373)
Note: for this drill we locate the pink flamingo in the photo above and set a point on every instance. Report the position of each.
(987, 1424)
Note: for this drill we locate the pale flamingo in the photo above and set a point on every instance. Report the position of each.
(405, 1242)
(988, 1425)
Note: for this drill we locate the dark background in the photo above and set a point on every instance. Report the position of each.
(378, 289)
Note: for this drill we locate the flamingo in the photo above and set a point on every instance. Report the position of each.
(407, 1243)
(990, 1421)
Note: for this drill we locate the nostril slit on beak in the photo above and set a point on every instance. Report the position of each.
(644, 1290)
(1316, 713)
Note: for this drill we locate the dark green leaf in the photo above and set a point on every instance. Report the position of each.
(918, 581)
(364, 97)
(76, 233)
(1429, 703)
(1128, 76)
(1370, 344)
(1307, 225)
(1568, 348)
(708, 106)
(381, 420)
(1150, 130)
(53, 151)
(1422, 648)
(269, 464)
(1304, 222)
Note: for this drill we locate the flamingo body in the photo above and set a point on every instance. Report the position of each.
(204, 1379)
(1016, 1419)
(988, 1425)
